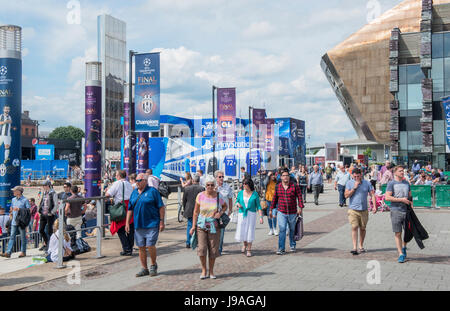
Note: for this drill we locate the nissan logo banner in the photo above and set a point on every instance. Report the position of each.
(226, 115)
(147, 92)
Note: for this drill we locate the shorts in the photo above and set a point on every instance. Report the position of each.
(146, 237)
(398, 219)
(208, 243)
(328, 176)
(5, 140)
(358, 218)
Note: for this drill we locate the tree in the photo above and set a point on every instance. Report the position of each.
(368, 152)
(67, 132)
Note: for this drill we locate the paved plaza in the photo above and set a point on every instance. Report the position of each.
(322, 261)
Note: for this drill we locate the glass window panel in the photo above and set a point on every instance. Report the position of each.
(402, 123)
(414, 96)
(437, 71)
(402, 74)
(415, 74)
(403, 140)
(437, 45)
(415, 113)
(438, 85)
(413, 123)
(438, 111)
(439, 135)
(402, 97)
(447, 44)
(414, 140)
(437, 95)
(403, 113)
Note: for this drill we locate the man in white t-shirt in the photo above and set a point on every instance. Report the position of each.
(121, 190)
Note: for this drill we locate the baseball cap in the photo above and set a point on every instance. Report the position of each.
(17, 188)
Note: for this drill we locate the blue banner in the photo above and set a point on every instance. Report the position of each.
(40, 169)
(45, 152)
(147, 92)
(446, 103)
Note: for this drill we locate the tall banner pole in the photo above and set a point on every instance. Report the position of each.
(11, 109)
(214, 132)
(131, 169)
(129, 141)
(93, 126)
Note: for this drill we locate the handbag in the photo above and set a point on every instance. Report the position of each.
(118, 212)
(224, 220)
(298, 232)
(194, 240)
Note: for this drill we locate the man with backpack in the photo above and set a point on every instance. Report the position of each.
(47, 211)
(20, 207)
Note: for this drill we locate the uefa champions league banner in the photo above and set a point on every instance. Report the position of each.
(446, 103)
(270, 135)
(226, 114)
(147, 92)
(93, 148)
(10, 126)
(259, 128)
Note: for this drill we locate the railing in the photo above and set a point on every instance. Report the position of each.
(431, 196)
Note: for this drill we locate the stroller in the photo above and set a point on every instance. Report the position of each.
(379, 201)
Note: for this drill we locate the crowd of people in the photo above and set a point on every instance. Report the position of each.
(278, 195)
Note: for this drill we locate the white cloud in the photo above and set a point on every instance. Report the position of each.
(258, 29)
(78, 65)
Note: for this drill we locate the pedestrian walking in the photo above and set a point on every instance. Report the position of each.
(75, 210)
(287, 196)
(189, 197)
(188, 178)
(152, 181)
(342, 177)
(302, 181)
(387, 175)
(147, 209)
(226, 193)
(357, 190)
(47, 211)
(373, 175)
(248, 204)
(18, 202)
(269, 184)
(120, 191)
(416, 167)
(205, 223)
(315, 183)
(329, 173)
(398, 192)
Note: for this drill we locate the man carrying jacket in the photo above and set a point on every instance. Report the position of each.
(47, 211)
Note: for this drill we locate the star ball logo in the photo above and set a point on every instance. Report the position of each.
(147, 62)
(3, 71)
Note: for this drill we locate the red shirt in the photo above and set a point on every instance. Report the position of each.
(287, 199)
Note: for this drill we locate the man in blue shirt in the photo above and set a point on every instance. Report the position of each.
(358, 215)
(416, 167)
(147, 208)
(342, 177)
(18, 202)
(316, 182)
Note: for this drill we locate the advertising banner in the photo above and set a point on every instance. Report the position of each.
(129, 142)
(259, 128)
(45, 152)
(147, 92)
(142, 153)
(10, 138)
(226, 114)
(270, 135)
(446, 103)
(93, 146)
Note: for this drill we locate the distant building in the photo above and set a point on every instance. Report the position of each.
(29, 132)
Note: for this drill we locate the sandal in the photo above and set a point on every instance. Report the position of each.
(354, 252)
(244, 248)
(362, 250)
(249, 254)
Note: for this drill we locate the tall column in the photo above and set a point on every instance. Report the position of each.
(93, 126)
(129, 153)
(10, 110)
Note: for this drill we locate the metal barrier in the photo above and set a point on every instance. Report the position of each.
(99, 201)
(431, 196)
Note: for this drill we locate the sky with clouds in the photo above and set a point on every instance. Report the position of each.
(269, 50)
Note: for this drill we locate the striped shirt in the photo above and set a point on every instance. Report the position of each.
(287, 199)
(5, 129)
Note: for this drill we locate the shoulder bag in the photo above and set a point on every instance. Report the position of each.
(118, 212)
(224, 220)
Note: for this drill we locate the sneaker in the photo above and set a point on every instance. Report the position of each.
(275, 232)
(270, 232)
(42, 248)
(401, 258)
(404, 251)
(22, 255)
(7, 255)
(280, 252)
(292, 250)
(143, 272)
(188, 246)
(154, 270)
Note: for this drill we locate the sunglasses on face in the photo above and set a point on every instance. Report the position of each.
(219, 176)
(139, 180)
(209, 185)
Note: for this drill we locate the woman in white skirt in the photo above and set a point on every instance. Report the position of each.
(248, 204)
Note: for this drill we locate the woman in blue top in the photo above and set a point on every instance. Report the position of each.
(248, 204)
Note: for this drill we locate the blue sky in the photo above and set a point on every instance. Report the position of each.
(269, 50)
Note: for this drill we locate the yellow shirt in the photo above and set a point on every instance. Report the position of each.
(270, 191)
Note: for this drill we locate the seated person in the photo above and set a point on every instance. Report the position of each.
(53, 246)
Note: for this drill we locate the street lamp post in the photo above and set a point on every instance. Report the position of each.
(250, 140)
(213, 126)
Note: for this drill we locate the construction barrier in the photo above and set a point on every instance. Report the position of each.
(427, 196)
(421, 195)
